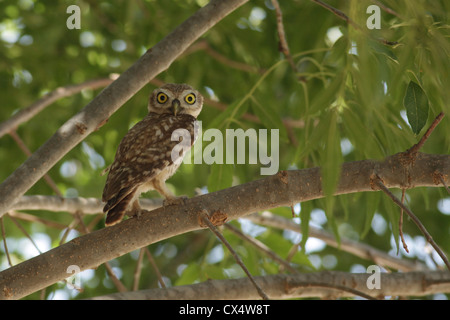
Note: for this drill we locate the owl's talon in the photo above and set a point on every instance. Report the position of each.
(137, 214)
(175, 201)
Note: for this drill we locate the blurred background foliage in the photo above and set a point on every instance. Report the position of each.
(342, 102)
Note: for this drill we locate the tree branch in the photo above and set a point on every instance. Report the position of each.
(266, 218)
(356, 248)
(415, 148)
(85, 205)
(28, 153)
(61, 92)
(204, 216)
(416, 220)
(282, 189)
(307, 285)
(284, 47)
(91, 117)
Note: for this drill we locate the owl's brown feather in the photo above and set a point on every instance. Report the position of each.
(116, 213)
(143, 153)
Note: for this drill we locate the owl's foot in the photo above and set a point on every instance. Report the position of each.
(136, 214)
(174, 201)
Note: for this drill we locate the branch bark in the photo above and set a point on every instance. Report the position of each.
(97, 112)
(85, 205)
(266, 218)
(318, 284)
(283, 189)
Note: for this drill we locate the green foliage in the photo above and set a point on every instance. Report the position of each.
(355, 100)
(416, 105)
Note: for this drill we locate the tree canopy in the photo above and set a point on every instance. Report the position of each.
(328, 86)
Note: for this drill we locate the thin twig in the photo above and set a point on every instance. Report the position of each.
(205, 46)
(138, 270)
(261, 246)
(415, 148)
(119, 285)
(284, 48)
(28, 153)
(415, 219)
(400, 224)
(344, 17)
(291, 253)
(78, 215)
(4, 242)
(387, 9)
(155, 268)
(338, 13)
(34, 219)
(72, 225)
(356, 248)
(29, 112)
(205, 218)
(292, 211)
(443, 182)
(25, 233)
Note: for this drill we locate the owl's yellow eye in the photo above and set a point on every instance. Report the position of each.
(162, 97)
(190, 98)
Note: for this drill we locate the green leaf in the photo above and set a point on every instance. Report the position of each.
(337, 56)
(331, 157)
(416, 105)
(328, 94)
(393, 214)
(305, 215)
(189, 275)
(232, 112)
(301, 258)
(221, 177)
(214, 272)
(383, 49)
(331, 160)
(372, 203)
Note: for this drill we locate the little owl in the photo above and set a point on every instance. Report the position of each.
(145, 158)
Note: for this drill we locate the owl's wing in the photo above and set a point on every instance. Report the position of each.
(144, 151)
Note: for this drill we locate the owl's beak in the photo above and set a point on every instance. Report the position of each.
(175, 106)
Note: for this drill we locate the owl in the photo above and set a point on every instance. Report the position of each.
(149, 154)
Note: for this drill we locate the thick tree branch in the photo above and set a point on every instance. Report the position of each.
(266, 218)
(317, 284)
(91, 117)
(283, 189)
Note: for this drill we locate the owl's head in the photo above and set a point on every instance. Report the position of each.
(176, 99)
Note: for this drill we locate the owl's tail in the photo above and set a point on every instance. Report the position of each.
(115, 213)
